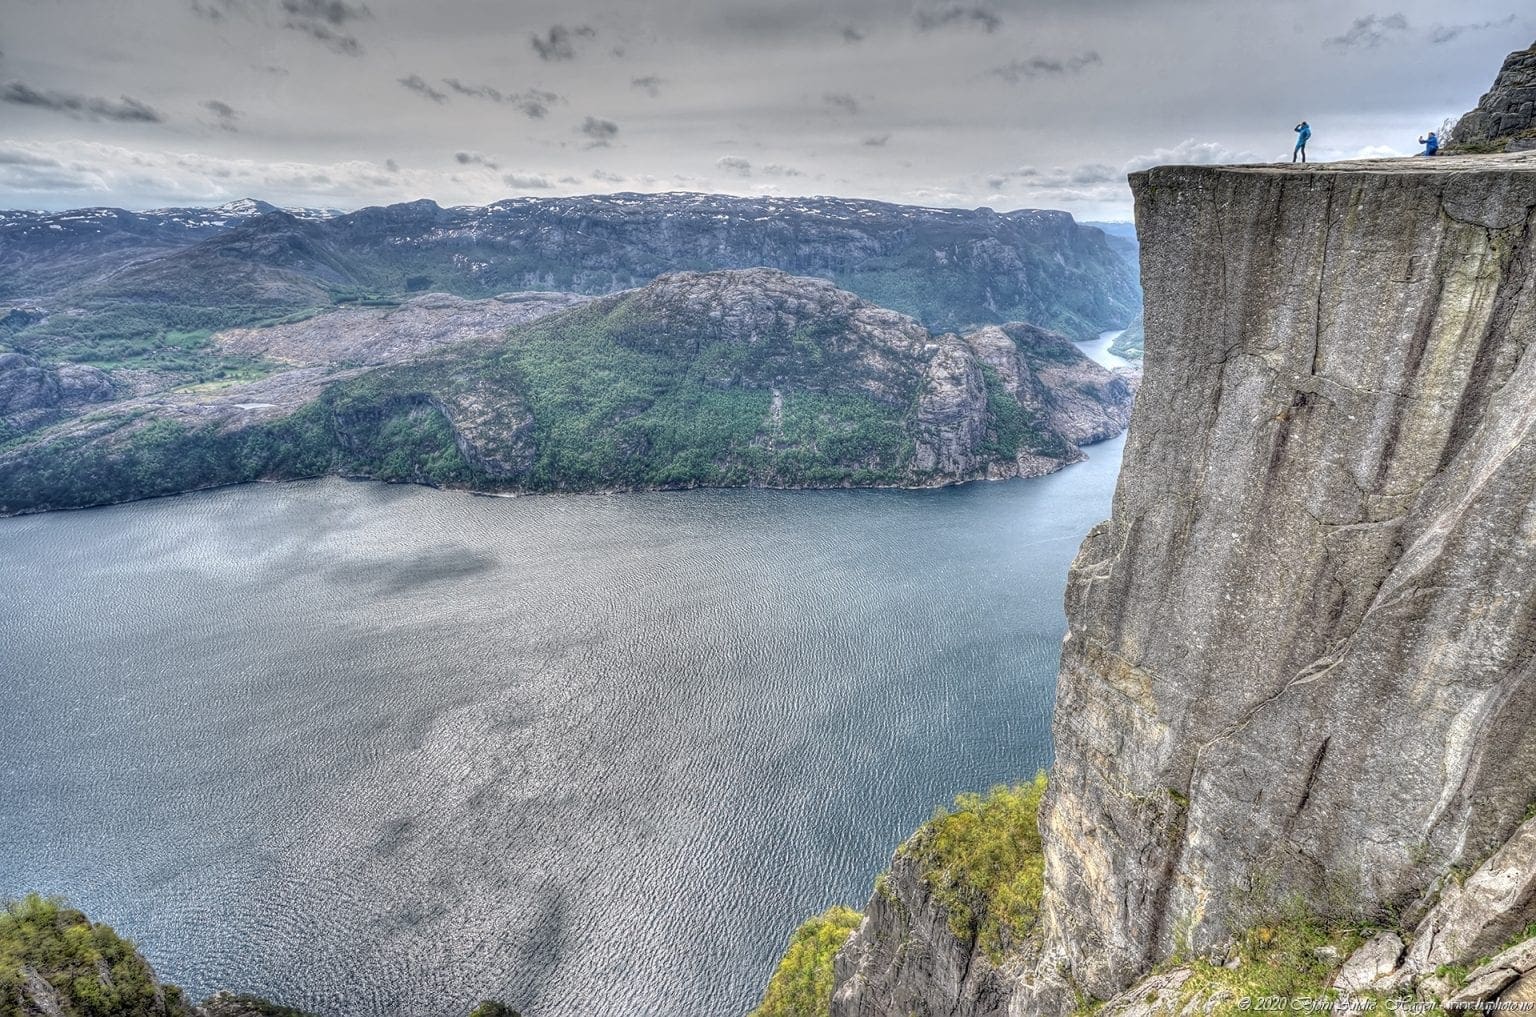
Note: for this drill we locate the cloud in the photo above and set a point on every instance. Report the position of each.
(559, 43)
(607, 177)
(734, 165)
(534, 103)
(841, 101)
(774, 169)
(141, 178)
(1016, 71)
(650, 84)
(416, 83)
(391, 165)
(852, 35)
(1190, 152)
(226, 114)
(958, 15)
(474, 159)
(81, 107)
(1441, 34)
(602, 132)
(534, 182)
(1370, 31)
(478, 91)
(876, 141)
(324, 21)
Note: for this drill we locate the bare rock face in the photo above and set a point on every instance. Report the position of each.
(1302, 656)
(1475, 916)
(906, 960)
(33, 393)
(1508, 112)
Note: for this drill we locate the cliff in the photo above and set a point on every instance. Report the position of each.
(1505, 117)
(1295, 726)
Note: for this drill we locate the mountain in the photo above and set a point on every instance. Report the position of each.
(110, 286)
(748, 377)
(1295, 726)
(1122, 239)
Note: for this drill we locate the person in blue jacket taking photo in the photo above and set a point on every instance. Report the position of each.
(1303, 132)
(1431, 144)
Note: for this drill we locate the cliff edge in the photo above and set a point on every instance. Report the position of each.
(1297, 705)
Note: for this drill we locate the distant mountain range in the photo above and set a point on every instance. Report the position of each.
(175, 330)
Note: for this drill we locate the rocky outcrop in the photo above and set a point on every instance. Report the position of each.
(905, 959)
(32, 393)
(1300, 657)
(1505, 118)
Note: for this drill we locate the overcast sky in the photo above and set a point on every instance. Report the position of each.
(1004, 103)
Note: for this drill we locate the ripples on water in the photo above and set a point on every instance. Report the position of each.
(384, 750)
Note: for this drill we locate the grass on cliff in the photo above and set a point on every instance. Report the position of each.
(93, 971)
(801, 985)
(982, 862)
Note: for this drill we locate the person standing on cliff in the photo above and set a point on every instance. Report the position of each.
(1303, 132)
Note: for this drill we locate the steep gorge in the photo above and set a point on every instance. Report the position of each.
(1301, 654)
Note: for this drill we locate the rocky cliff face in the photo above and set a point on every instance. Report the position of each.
(1300, 658)
(1505, 118)
(1300, 673)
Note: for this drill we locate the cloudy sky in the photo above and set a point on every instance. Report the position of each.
(1004, 103)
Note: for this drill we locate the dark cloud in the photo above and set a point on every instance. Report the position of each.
(601, 132)
(416, 83)
(735, 165)
(607, 177)
(851, 34)
(218, 10)
(876, 140)
(957, 16)
(1016, 71)
(225, 113)
(478, 91)
(84, 107)
(650, 84)
(534, 103)
(841, 101)
(474, 159)
(532, 182)
(391, 165)
(332, 12)
(1441, 34)
(324, 21)
(774, 169)
(1371, 31)
(559, 43)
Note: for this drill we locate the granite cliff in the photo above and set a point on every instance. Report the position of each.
(1295, 727)
(1505, 117)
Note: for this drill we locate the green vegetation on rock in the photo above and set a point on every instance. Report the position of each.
(493, 1008)
(50, 950)
(801, 985)
(982, 861)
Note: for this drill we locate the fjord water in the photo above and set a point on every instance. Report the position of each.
(372, 749)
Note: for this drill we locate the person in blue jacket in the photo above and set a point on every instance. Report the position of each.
(1303, 132)
(1431, 144)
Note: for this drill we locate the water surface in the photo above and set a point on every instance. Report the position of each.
(378, 750)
